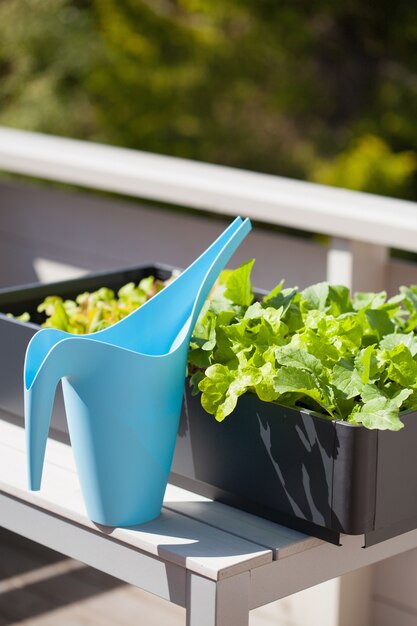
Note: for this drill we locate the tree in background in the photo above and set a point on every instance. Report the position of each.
(307, 89)
(47, 53)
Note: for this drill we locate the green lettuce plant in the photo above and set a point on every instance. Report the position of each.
(348, 358)
(93, 311)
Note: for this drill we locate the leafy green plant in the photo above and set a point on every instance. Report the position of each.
(316, 77)
(97, 310)
(367, 165)
(347, 358)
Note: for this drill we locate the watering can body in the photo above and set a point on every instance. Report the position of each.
(123, 391)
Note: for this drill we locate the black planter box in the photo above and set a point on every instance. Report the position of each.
(320, 476)
(15, 335)
(302, 470)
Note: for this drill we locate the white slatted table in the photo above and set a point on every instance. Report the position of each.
(214, 560)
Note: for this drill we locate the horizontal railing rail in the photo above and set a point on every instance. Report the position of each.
(270, 199)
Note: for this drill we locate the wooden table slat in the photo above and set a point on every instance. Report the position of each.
(281, 540)
(179, 539)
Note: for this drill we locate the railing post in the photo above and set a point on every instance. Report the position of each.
(358, 265)
(361, 267)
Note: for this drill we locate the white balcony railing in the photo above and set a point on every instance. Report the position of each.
(362, 226)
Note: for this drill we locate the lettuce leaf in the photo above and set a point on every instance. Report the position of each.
(238, 285)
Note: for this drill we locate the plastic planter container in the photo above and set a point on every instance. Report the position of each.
(316, 475)
(15, 335)
(320, 476)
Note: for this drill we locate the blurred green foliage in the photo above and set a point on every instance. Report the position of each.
(368, 165)
(309, 89)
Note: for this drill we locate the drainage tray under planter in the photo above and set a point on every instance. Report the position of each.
(295, 467)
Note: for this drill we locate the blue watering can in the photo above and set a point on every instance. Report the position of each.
(123, 390)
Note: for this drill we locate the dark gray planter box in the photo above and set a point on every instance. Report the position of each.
(15, 335)
(295, 467)
(302, 470)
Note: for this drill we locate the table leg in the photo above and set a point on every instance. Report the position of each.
(221, 603)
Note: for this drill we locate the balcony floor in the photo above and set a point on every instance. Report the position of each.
(39, 587)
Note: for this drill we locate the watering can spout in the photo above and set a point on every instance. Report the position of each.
(43, 370)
